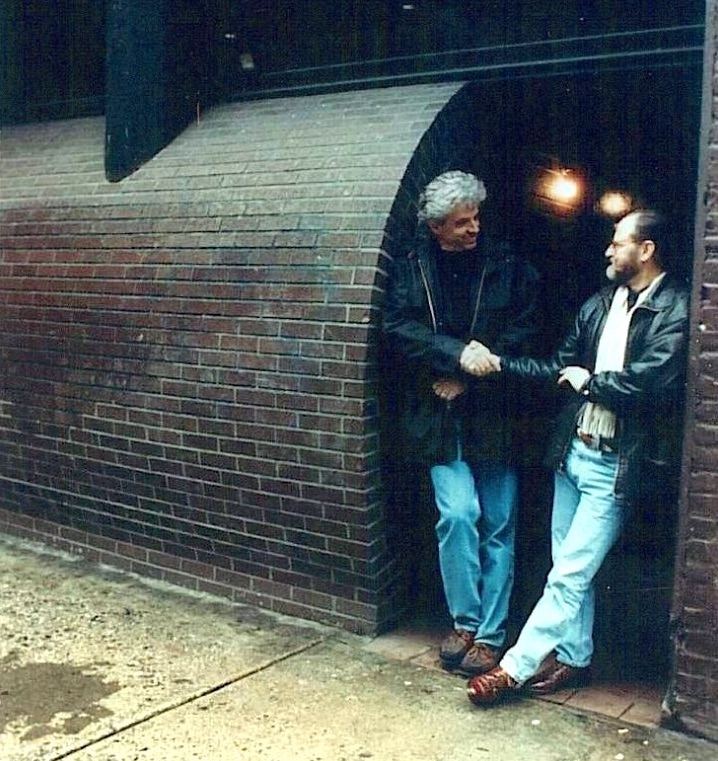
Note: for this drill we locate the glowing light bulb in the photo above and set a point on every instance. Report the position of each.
(613, 203)
(558, 190)
(563, 188)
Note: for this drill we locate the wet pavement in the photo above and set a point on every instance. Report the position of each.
(99, 665)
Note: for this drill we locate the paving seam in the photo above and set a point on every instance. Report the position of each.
(191, 698)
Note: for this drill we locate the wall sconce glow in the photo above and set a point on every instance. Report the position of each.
(615, 204)
(563, 188)
(559, 191)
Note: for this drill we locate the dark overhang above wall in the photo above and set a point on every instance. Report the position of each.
(168, 60)
(269, 47)
(671, 46)
(156, 77)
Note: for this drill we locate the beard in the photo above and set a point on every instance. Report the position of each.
(620, 277)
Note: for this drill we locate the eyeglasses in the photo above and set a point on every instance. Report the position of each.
(615, 244)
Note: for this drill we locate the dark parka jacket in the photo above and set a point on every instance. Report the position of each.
(646, 396)
(504, 317)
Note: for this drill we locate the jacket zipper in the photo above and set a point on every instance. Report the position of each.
(432, 312)
(428, 296)
(478, 301)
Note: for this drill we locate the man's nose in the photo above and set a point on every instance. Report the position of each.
(475, 226)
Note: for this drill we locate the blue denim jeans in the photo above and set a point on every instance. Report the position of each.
(586, 521)
(476, 529)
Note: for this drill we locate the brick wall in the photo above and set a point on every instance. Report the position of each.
(188, 366)
(694, 695)
(188, 384)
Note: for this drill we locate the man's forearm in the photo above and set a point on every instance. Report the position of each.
(530, 368)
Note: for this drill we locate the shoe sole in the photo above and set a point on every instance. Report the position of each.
(572, 684)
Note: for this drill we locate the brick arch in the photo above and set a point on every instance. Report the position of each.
(187, 386)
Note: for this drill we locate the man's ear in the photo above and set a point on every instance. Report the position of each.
(648, 249)
(434, 226)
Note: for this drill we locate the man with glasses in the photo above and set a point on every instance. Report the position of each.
(623, 366)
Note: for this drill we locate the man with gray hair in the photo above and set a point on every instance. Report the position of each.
(457, 289)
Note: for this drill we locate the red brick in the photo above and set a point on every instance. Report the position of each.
(194, 346)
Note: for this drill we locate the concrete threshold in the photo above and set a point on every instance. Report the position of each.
(634, 702)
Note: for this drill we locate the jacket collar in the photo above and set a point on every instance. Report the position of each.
(662, 297)
(427, 250)
(487, 250)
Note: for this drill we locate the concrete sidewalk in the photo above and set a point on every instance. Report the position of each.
(97, 665)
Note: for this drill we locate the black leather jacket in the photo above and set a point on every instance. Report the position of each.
(504, 317)
(647, 395)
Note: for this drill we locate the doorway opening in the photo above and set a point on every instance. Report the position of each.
(620, 136)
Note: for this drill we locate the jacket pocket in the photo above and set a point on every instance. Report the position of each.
(430, 431)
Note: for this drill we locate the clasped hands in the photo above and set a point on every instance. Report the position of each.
(476, 360)
(575, 376)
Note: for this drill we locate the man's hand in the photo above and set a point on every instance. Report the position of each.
(448, 388)
(576, 376)
(476, 359)
(472, 351)
(484, 365)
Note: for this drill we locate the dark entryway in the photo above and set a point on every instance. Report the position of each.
(629, 131)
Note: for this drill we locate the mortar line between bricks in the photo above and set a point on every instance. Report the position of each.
(190, 699)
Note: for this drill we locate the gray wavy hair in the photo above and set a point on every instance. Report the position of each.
(447, 191)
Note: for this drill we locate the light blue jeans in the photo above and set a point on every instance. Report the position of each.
(476, 529)
(586, 522)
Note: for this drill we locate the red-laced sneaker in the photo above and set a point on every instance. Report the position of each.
(492, 687)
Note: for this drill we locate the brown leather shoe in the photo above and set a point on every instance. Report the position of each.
(479, 659)
(454, 647)
(561, 677)
(492, 687)
(548, 666)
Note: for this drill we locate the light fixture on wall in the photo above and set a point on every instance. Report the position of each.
(563, 187)
(559, 190)
(615, 203)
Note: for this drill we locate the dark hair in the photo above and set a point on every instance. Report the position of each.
(651, 225)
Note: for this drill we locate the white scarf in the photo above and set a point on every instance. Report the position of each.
(611, 355)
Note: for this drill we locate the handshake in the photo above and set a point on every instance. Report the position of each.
(476, 359)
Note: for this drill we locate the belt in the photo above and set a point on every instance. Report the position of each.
(599, 443)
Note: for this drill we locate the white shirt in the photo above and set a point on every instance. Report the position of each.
(611, 355)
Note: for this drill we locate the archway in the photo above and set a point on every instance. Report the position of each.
(632, 130)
